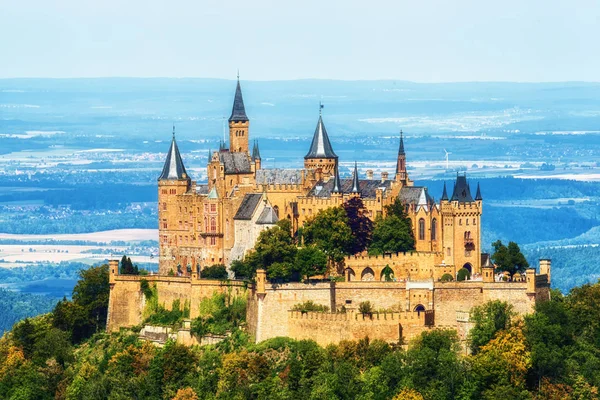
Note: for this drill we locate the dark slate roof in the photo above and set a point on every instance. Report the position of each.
(462, 191)
(238, 112)
(267, 216)
(478, 194)
(202, 189)
(235, 163)
(444, 193)
(486, 260)
(412, 195)
(173, 168)
(337, 184)
(278, 176)
(320, 146)
(248, 205)
(367, 187)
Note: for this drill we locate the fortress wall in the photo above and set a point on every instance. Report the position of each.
(127, 301)
(326, 328)
(381, 294)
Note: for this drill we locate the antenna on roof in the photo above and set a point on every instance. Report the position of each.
(173, 130)
(321, 108)
(238, 74)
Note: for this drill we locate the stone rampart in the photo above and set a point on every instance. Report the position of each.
(405, 266)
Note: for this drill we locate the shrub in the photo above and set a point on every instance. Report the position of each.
(309, 306)
(217, 271)
(145, 288)
(463, 274)
(219, 314)
(446, 278)
(365, 308)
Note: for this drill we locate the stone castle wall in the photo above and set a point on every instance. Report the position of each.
(126, 303)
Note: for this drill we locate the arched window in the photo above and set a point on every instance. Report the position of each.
(276, 209)
(433, 229)
(421, 229)
(213, 225)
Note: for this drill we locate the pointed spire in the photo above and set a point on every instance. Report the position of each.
(238, 112)
(478, 194)
(337, 185)
(444, 193)
(401, 148)
(320, 146)
(255, 151)
(209, 155)
(173, 168)
(355, 181)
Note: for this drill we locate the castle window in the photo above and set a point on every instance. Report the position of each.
(433, 229)
(276, 209)
(460, 221)
(448, 251)
(213, 208)
(213, 225)
(467, 221)
(474, 221)
(421, 229)
(164, 206)
(213, 242)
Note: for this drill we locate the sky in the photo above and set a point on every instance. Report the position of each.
(422, 41)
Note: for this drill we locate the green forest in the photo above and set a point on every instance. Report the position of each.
(553, 353)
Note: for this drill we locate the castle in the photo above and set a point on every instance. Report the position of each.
(218, 222)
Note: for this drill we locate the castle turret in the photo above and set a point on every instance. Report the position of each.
(320, 154)
(355, 180)
(256, 156)
(239, 124)
(337, 184)
(172, 182)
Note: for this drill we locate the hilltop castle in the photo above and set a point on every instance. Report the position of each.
(218, 222)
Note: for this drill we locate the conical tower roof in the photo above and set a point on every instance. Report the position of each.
(478, 194)
(173, 168)
(238, 113)
(337, 184)
(462, 191)
(255, 151)
(355, 181)
(401, 148)
(320, 146)
(444, 193)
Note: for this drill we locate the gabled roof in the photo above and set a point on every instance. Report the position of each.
(462, 191)
(235, 163)
(248, 206)
(267, 216)
(173, 168)
(320, 146)
(278, 176)
(415, 195)
(213, 193)
(238, 112)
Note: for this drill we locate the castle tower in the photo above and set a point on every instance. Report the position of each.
(239, 124)
(321, 155)
(461, 224)
(401, 162)
(173, 182)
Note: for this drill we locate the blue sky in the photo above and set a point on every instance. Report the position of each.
(423, 41)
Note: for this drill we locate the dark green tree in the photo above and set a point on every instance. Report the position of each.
(330, 232)
(359, 223)
(509, 258)
(488, 318)
(310, 261)
(217, 271)
(391, 235)
(127, 267)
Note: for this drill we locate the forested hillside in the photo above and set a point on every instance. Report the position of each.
(552, 354)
